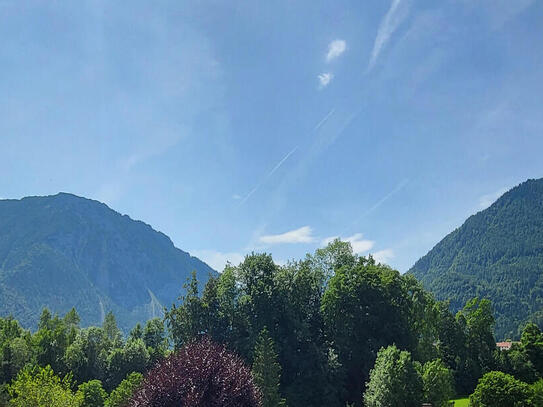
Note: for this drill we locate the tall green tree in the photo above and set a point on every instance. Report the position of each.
(477, 322)
(132, 357)
(437, 383)
(51, 341)
(87, 356)
(365, 307)
(111, 330)
(394, 381)
(15, 349)
(154, 338)
(532, 344)
(185, 320)
(267, 371)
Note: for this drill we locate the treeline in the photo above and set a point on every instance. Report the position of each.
(94, 363)
(311, 330)
(330, 314)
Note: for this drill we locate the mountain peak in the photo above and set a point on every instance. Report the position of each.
(64, 250)
(498, 254)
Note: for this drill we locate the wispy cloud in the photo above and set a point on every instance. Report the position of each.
(396, 14)
(217, 260)
(301, 235)
(335, 49)
(358, 243)
(381, 201)
(324, 120)
(383, 256)
(324, 79)
(486, 200)
(267, 176)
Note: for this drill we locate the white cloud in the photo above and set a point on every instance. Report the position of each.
(237, 197)
(324, 79)
(357, 242)
(335, 49)
(486, 200)
(217, 260)
(383, 256)
(397, 12)
(301, 235)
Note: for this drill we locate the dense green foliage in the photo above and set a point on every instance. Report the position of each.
(495, 254)
(437, 382)
(92, 361)
(497, 389)
(394, 381)
(92, 394)
(121, 395)
(311, 330)
(40, 387)
(328, 315)
(267, 371)
(64, 250)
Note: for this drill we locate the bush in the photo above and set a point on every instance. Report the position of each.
(497, 389)
(200, 374)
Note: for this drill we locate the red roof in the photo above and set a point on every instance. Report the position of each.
(504, 345)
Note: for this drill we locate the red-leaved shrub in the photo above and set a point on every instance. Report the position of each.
(201, 374)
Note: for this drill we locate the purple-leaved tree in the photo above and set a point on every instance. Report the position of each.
(200, 374)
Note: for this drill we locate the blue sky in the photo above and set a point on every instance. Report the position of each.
(235, 126)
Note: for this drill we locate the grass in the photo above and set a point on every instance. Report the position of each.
(461, 402)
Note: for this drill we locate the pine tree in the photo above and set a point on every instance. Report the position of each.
(111, 330)
(267, 371)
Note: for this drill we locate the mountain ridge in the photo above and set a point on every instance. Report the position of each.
(497, 253)
(64, 250)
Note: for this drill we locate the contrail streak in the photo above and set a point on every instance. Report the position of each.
(319, 124)
(381, 201)
(279, 164)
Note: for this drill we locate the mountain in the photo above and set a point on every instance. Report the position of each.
(62, 251)
(497, 254)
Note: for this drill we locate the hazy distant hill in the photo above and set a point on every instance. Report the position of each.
(498, 254)
(63, 250)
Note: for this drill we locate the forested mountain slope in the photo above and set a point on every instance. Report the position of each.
(498, 254)
(62, 251)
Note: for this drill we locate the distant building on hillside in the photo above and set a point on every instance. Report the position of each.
(504, 345)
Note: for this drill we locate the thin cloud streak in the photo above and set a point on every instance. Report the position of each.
(277, 166)
(389, 24)
(280, 163)
(324, 120)
(381, 201)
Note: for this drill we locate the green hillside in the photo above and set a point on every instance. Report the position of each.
(62, 251)
(498, 254)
